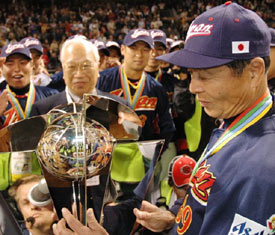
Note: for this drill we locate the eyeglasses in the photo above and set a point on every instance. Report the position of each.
(85, 67)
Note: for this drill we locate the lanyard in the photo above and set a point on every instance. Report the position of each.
(16, 105)
(246, 119)
(126, 88)
(159, 76)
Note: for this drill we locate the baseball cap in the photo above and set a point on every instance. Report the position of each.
(220, 35)
(158, 36)
(15, 48)
(136, 35)
(180, 170)
(272, 32)
(101, 46)
(176, 44)
(32, 43)
(169, 42)
(112, 44)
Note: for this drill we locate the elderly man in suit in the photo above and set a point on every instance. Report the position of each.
(79, 59)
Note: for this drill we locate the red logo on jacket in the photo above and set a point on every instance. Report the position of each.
(202, 183)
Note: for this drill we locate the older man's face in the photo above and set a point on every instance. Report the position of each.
(221, 93)
(80, 69)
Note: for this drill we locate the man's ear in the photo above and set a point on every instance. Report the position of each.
(2, 61)
(32, 64)
(257, 70)
(122, 49)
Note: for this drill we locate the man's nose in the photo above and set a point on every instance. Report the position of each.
(78, 71)
(34, 207)
(138, 52)
(195, 85)
(16, 67)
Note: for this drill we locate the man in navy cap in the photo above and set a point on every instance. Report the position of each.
(40, 74)
(20, 93)
(227, 53)
(233, 186)
(146, 96)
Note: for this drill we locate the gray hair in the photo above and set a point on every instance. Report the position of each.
(79, 39)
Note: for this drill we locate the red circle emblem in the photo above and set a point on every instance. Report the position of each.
(240, 47)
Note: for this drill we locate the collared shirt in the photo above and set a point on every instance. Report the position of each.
(74, 98)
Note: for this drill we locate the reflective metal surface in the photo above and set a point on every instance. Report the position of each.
(69, 149)
(23, 135)
(74, 144)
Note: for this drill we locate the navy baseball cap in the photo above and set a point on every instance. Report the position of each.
(15, 48)
(101, 46)
(136, 35)
(32, 43)
(158, 36)
(220, 35)
(272, 32)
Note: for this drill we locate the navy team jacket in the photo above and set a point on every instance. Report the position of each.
(152, 107)
(233, 191)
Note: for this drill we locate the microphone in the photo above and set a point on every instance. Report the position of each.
(30, 220)
(39, 195)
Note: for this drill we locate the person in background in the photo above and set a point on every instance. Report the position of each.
(147, 98)
(114, 58)
(103, 54)
(179, 174)
(176, 183)
(40, 76)
(168, 82)
(20, 94)
(38, 220)
(271, 71)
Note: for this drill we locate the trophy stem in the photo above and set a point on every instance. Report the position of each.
(79, 201)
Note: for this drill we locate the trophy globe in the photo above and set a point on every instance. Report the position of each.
(71, 147)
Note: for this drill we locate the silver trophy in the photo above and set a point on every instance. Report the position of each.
(74, 145)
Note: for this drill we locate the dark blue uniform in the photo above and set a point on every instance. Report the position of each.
(233, 190)
(10, 115)
(152, 104)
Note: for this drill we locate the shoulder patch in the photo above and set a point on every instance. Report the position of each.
(244, 226)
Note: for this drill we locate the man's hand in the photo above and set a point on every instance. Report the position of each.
(76, 227)
(4, 101)
(154, 218)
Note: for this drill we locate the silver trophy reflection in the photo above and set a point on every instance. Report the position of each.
(74, 146)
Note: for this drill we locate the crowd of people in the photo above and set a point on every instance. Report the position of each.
(53, 22)
(120, 51)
